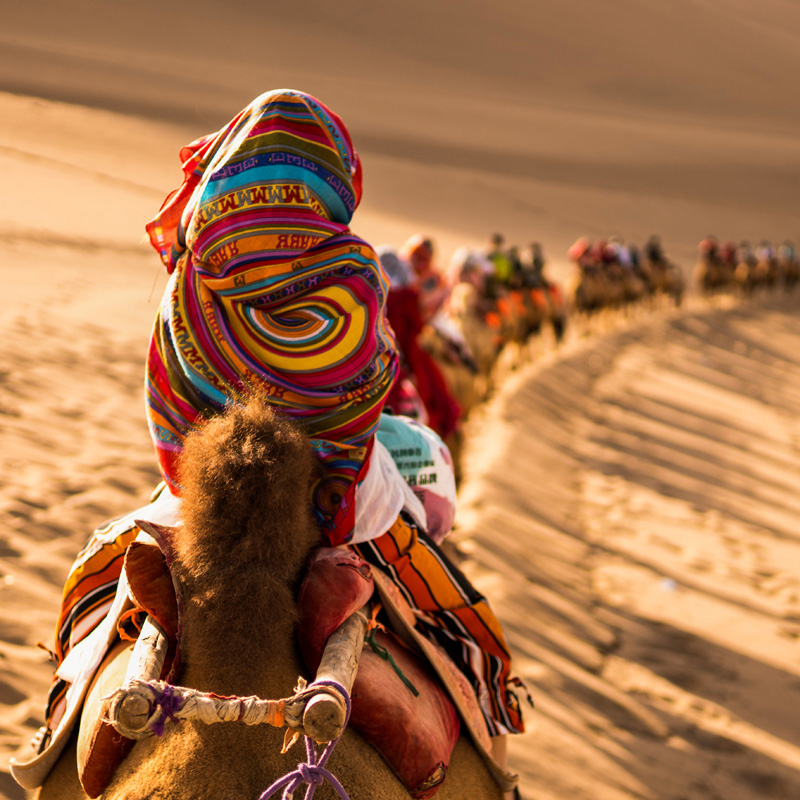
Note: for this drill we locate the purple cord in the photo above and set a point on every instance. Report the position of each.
(170, 704)
(312, 772)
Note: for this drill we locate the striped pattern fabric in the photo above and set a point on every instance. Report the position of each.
(269, 291)
(87, 597)
(454, 614)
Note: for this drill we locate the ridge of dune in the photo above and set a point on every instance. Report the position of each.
(721, 58)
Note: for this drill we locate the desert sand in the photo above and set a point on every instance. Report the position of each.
(631, 505)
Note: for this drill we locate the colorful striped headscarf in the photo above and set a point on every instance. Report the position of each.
(269, 290)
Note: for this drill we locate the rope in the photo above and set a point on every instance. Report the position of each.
(170, 704)
(383, 653)
(312, 772)
(167, 702)
(177, 703)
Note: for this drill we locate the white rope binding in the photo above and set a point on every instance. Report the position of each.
(178, 702)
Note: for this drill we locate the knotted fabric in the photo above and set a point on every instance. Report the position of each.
(269, 291)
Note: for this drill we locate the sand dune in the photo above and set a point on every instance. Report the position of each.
(546, 121)
(639, 491)
(631, 506)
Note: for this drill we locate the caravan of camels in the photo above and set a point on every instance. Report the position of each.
(454, 325)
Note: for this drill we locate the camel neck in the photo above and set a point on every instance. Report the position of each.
(232, 652)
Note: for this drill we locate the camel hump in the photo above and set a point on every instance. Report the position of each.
(246, 463)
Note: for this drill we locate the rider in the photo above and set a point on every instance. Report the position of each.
(708, 250)
(727, 254)
(765, 252)
(470, 266)
(786, 251)
(582, 254)
(418, 251)
(745, 254)
(653, 249)
(537, 259)
(403, 309)
(269, 291)
(497, 254)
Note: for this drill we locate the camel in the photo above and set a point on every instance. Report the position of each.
(769, 271)
(667, 280)
(713, 276)
(745, 278)
(588, 291)
(790, 268)
(246, 536)
(633, 287)
(469, 386)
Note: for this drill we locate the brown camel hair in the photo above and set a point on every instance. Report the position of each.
(247, 534)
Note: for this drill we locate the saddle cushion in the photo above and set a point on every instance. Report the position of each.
(337, 583)
(415, 734)
(152, 590)
(100, 748)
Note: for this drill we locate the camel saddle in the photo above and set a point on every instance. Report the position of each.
(411, 712)
(100, 748)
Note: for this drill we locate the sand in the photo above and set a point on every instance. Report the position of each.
(631, 510)
(631, 506)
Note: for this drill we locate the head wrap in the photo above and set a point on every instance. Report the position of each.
(418, 251)
(270, 292)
